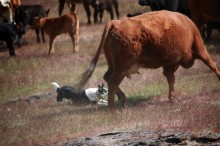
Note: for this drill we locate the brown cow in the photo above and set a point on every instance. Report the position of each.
(53, 27)
(14, 4)
(6, 9)
(150, 40)
(204, 10)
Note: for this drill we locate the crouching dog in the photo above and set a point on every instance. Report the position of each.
(80, 96)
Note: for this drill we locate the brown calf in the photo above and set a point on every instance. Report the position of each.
(151, 40)
(53, 27)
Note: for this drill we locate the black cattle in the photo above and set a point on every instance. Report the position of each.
(171, 5)
(107, 5)
(8, 32)
(134, 14)
(207, 31)
(24, 14)
(86, 3)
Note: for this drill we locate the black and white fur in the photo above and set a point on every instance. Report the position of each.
(81, 96)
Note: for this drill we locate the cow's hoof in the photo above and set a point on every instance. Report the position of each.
(173, 100)
(13, 55)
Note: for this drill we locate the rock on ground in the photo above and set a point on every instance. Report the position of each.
(147, 138)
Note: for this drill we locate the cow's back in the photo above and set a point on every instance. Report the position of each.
(157, 36)
(26, 13)
(59, 25)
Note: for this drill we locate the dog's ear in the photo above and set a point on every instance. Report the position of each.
(47, 12)
(102, 85)
(99, 86)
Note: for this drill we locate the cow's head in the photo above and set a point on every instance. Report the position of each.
(36, 22)
(26, 18)
(19, 28)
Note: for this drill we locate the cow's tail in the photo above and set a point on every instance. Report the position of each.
(88, 73)
(55, 86)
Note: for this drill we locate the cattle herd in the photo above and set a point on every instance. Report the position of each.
(149, 40)
(13, 13)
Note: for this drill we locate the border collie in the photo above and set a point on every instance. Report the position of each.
(90, 95)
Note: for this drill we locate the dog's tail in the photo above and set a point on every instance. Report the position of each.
(55, 86)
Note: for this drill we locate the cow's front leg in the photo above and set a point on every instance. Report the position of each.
(51, 48)
(43, 36)
(37, 33)
(101, 15)
(95, 15)
(111, 13)
(19, 40)
(168, 71)
(11, 47)
(88, 12)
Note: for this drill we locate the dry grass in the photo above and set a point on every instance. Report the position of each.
(43, 122)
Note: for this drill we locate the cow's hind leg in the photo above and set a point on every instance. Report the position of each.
(51, 48)
(203, 54)
(120, 94)
(74, 38)
(168, 71)
(95, 15)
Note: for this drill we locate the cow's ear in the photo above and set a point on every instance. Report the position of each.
(48, 11)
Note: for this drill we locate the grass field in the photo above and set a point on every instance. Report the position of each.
(43, 122)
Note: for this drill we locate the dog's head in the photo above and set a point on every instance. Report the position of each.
(102, 91)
